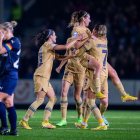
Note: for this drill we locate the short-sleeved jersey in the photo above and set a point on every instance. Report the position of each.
(73, 64)
(9, 62)
(98, 49)
(46, 55)
(80, 30)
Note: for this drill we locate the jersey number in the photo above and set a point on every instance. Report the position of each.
(16, 63)
(40, 59)
(104, 62)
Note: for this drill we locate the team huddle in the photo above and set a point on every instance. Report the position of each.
(87, 68)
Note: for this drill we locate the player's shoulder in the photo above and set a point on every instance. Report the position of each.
(76, 31)
(14, 40)
(88, 30)
(77, 28)
(48, 46)
(14, 43)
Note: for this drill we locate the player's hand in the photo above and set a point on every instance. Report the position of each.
(1, 35)
(74, 50)
(58, 69)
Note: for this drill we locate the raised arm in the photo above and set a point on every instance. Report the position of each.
(2, 49)
(68, 45)
(63, 57)
(79, 44)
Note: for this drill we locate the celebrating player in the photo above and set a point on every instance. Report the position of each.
(10, 48)
(99, 31)
(42, 75)
(98, 49)
(74, 71)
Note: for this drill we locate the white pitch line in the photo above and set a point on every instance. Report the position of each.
(90, 128)
(92, 116)
(89, 122)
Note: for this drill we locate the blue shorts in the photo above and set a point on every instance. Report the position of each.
(8, 83)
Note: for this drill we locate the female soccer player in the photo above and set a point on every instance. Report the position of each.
(74, 71)
(98, 49)
(73, 67)
(10, 48)
(99, 31)
(42, 75)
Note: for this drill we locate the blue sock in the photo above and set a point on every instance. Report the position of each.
(12, 116)
(3, 115)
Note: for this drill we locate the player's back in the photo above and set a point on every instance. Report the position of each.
(46, 55)
(99, 51)
(96, 48)
(9, 62)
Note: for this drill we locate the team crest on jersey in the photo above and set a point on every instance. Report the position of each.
(71, 48)
(53, 45)
(74, 34)
(12, 41)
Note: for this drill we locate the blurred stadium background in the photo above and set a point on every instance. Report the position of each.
(123, 23)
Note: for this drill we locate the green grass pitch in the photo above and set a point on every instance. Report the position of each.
(124, 125)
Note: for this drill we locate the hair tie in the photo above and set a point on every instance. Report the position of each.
(83, 15)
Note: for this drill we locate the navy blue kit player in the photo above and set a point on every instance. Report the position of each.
(10, 49)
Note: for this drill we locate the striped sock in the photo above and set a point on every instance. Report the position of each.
(47, 113)
(64, 104)
(32, 108)
(88, 112)
(79, 107)
(49, 107)
(30, 112)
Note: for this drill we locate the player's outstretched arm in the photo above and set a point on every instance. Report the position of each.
(68, 45)
(79, 44)
(2, 49)
(60, 66)
(63, 57)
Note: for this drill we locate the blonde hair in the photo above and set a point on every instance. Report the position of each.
(76, 17)
(101, 30)
(9, 25)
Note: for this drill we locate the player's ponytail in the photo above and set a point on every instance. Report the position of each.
(43, 36)
(101, 30)
(9, 25)
(76, 18)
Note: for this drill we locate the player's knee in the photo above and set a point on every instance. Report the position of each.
(53, 99)
(40, 101)
(77, 97)
(104, 102)
(113, 74)
(85, 94)
(91, 102)
(8, 103)
(64, 93)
